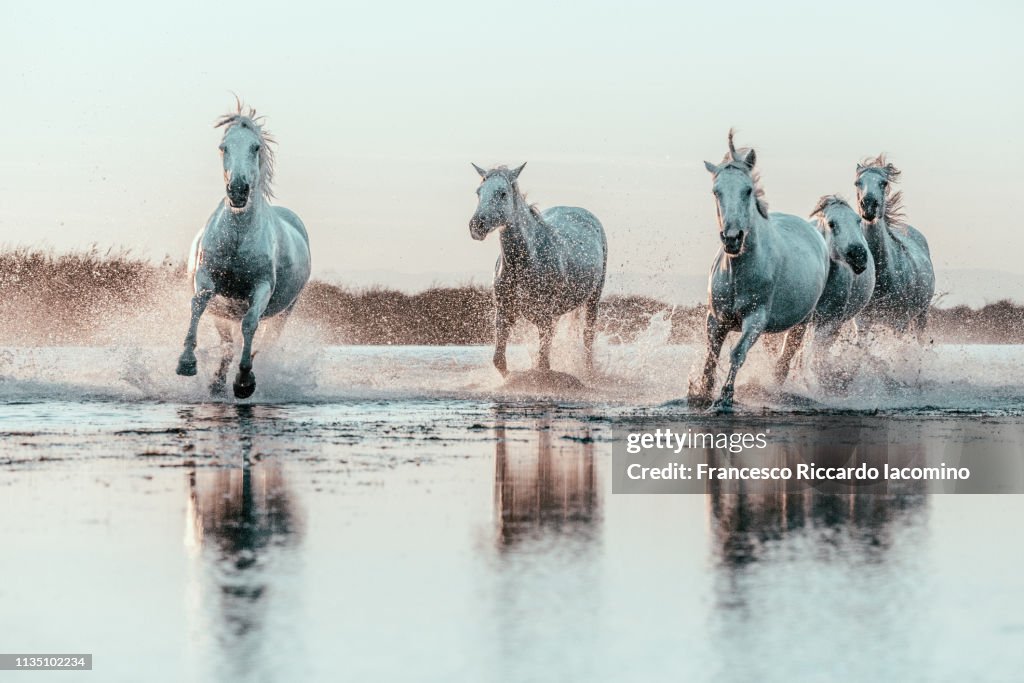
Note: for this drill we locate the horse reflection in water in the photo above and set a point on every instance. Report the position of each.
(752, 519)
(246, 525)
(547, 569)
(551, 488)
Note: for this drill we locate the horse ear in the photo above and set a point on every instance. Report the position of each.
(479, 170)
(751, 158)
(515, 172)
(712, 169)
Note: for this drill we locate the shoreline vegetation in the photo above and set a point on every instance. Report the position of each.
(112, 297)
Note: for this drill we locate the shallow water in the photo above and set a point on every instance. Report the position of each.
(402, 517)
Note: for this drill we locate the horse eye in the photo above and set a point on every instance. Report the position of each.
(885, 184)
(502, 194)
(832, 224)
(254, 149)
(746, 192)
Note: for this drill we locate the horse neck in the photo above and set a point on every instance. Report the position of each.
(759, 228)
(879, 241)
(237, 225)
(520, 238)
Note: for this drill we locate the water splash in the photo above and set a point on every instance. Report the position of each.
(893, 375)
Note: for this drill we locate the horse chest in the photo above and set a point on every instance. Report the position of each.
(734, 294)
(236, 278)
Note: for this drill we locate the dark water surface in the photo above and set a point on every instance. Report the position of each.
(446, 538)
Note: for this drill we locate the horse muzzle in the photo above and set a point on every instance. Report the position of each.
(238, 194)
(869, 209)
(857, 257)
(732, 244)
(477, 229)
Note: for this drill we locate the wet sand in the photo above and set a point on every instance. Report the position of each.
(476, 538)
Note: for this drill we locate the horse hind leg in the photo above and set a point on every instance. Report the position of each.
(794, 338)
(227, 352)
(546, 330)
(824, 339)
(920, 326)
(589, 330)
(275, 327)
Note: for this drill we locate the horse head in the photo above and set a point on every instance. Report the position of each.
(841, 226)
(496, 200)
(874, 181)
(246, 157)
(739, 198)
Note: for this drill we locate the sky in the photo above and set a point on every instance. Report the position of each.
(379, 108)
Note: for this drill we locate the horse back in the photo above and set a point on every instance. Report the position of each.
(569, 267)
(914, 247)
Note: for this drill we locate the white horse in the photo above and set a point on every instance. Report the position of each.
(851, 275)
(904, 275)
(252, 260)
(550, 263)
(767, 277)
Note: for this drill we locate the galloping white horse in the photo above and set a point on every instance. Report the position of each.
(767, 277)
(851, 275)
(904, 276)
(550, 263)
(251, 261)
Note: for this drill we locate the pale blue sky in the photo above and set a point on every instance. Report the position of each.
(380, 107)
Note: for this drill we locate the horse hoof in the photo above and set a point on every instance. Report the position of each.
(698, 397)
(245, 384)
(698, 400)
(187, 366)
(722, 405)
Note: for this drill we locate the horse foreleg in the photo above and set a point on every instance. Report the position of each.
(700, 395)
(589, 330)
(245, 380)
(227, 352)
(752, 328)
(794, 338)
(187, 360)
(503, 322)
(546, 330)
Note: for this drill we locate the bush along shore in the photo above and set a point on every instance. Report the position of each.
(115, 297)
